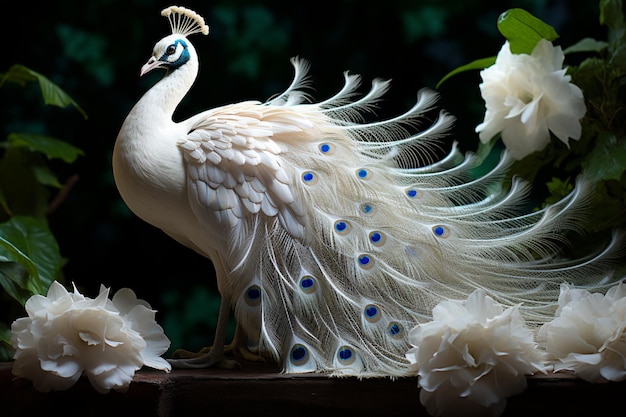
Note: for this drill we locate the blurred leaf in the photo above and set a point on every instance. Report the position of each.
(6, 350)
(586, 45)
(612, 16)
(30, 243)
(5, 333)
(424, 21)
(253, 33)
(607, 159)
(51, 147)
(558, 190)
(51, 93)
(16, 281)
(523, 30)
(474, 65)
(23, 192)
(90, 50)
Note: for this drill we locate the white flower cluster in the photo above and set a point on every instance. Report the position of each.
(472, 356)
(475, 354)
(529, 96)
(66, 335)
(588, 334)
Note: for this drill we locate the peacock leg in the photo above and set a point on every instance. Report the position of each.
(212, 356)
(239, 348)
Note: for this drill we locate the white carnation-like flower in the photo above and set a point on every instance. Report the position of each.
(66, 335)
(472, 356)
(588, 334)
(527, 96)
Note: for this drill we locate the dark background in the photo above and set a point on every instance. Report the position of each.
(94, 51)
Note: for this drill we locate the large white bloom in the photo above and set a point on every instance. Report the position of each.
(472, 356)
(527, 96)
(588, 334)
(67, 334)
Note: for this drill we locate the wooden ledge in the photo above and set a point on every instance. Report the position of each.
(261, 390)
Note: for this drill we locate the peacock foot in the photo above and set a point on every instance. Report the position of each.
(234, 350)
(205, 358)
(186, 354)
(244, 352)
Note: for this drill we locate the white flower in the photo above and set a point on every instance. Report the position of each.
(527, 96)
(67, 334)
(588, 334)
(472, 356)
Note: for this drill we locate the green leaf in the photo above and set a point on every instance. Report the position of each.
(23, 192)
(6, 346)
(607, 160)
(558, 189)
(587, 45)
(51, 93)
(16, 281)
(474, 65)
(612, 16)
(51, 147)
(5, 333)
(524, 31)
(30, 243)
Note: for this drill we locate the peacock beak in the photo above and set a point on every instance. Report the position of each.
(150, 65)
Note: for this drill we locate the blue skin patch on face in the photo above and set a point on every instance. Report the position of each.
(182, 59)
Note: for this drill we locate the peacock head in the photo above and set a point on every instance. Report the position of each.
(175, 50)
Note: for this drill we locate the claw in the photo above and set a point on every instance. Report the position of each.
(206, 360)
(187, 354)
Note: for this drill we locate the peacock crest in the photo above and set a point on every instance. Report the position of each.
(184, 21)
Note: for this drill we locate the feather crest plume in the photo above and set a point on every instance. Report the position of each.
(184, 21)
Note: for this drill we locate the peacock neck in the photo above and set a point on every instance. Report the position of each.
(161, 100)
(146, 161)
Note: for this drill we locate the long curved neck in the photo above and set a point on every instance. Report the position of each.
(146, 163)
(160, 102)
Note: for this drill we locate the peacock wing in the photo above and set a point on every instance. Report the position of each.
(235, 170)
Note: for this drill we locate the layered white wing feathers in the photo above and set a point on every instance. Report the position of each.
(235, 168)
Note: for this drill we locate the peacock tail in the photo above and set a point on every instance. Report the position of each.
(343, 235)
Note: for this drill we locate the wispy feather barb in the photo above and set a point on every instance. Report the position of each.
(184, 21)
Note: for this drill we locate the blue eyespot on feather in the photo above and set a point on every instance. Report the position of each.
(363, 174)
(377, 238)
(372, 313)
(342, 227)
(326, 148)
(252, 296)
(365, 261)
(395, 330)
(441, 231)
(367, 209)
(308, 284)
(309, 178)
(298, 355)
(346, 355)
(413, 193)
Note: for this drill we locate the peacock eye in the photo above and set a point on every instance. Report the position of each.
(170, 49)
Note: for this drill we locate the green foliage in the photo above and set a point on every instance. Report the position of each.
(474, 65)
(600, 153)
(524, 31)
(50, 92)
(30, 258)
(521, 29)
